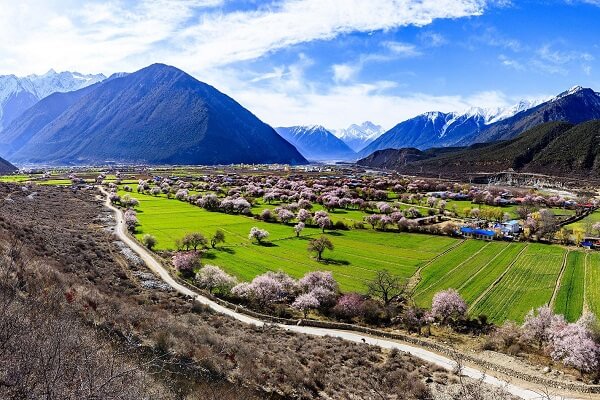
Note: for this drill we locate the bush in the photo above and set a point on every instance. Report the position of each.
(359, 225)
(371, 312)
(149, 241)
(340, 226)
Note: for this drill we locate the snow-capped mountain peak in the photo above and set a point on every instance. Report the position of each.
(358, 136)
(19, 93)
(574, 90)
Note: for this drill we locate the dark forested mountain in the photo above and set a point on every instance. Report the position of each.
(436, 129)
(6, 167)
(392, 158)
(316, 143)
(556, 148)
(158, 115)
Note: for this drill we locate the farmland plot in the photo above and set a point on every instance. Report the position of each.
(455, 274)
(569, 300)
(592, 283)
(528, 284)
(358, 254)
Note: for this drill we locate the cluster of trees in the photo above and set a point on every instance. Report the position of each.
(576, 344)
(489, 214)
(190, 250)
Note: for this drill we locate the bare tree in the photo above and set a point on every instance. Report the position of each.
(386, 286)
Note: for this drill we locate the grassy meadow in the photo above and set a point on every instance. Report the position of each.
(499, 279)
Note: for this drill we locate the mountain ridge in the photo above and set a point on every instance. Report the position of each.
(17, 94)
(358, 136)
(478, 125)
(157, 115)
(553, 148)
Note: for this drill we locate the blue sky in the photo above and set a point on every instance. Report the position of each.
(329, 62)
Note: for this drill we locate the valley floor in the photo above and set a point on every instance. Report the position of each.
(501, 280)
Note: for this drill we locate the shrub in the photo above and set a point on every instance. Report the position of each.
(447, 305)
(349, 306)
(149, 241)
(359, 225)
(340, 226)
(131, 220)
(306, 302)
(218, 237)
(258, 234)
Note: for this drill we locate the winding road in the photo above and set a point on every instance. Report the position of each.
(522, 389)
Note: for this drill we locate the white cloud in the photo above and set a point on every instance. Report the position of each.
(344, 72)
(432, 39)
(402, 49)
(292, 100)
(548, 53)
(511, 63)
(221, 39)
(95, 36)
(199, 37)
(111, 36)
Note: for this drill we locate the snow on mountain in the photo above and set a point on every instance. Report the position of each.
(359, 136)
(439, 129)
(17, 94)
(316, 143)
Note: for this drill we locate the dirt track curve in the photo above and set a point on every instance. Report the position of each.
(521, 389)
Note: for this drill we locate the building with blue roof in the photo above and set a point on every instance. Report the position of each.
(477, 233)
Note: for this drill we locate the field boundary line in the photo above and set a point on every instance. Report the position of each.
(586, 306)
(558, 283)
(453, 269)
(484, 267)
(502, 275)
(411, 285)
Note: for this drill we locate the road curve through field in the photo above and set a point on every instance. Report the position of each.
(519, 390)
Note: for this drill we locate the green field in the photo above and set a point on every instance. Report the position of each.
(592, 282)
(499, 279)
(529, 283)
(357, 256)
(570, 297)
(586, 223)
(467, 269)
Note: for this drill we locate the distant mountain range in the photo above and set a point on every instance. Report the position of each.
(358, 137)
(18, 94)
(316, 143)
(438, 129)
(161, 115)
(575, 105)
(158, 115)
(553, 148)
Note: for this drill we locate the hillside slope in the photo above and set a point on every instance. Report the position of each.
(554, 148)
(158, 115)
(575, 106)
